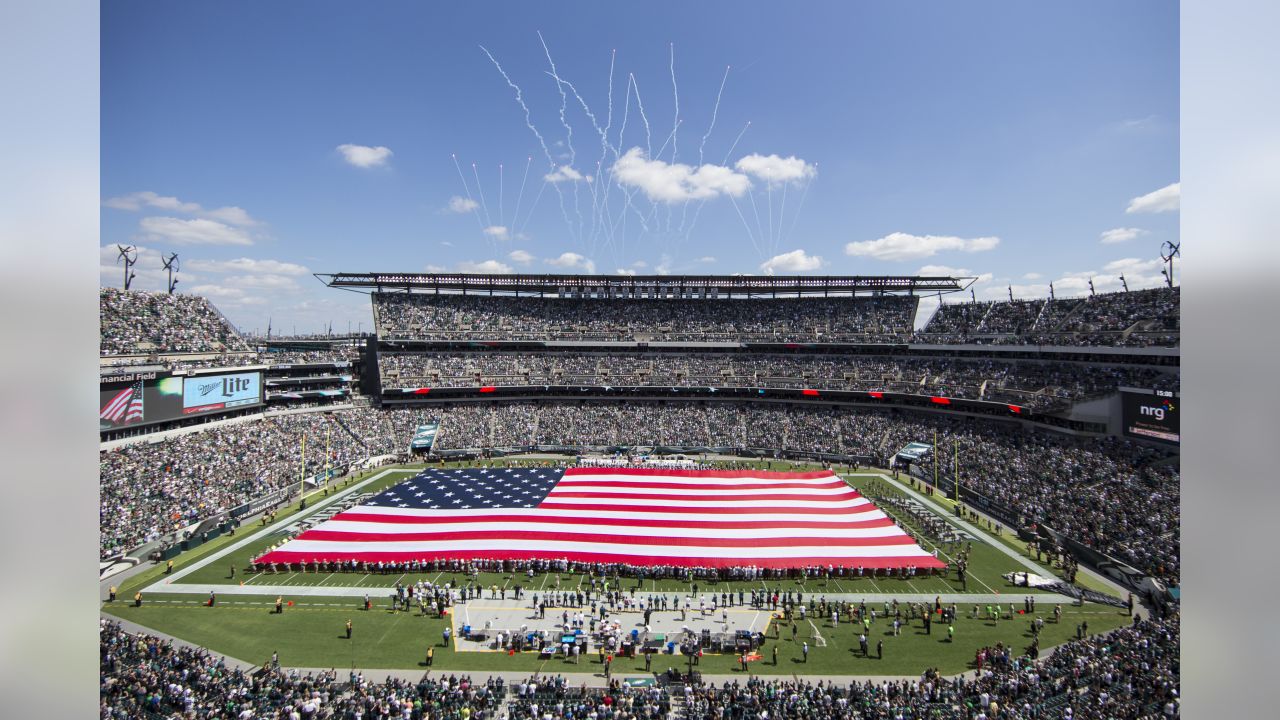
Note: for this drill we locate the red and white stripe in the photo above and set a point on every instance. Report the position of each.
(114, 409)
(638, 517)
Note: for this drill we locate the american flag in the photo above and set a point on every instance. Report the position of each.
(644, 517)
(126, 404)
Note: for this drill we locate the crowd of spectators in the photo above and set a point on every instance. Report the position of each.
(469, 317)
(144, 676)
(1139, 318)
(148, 490)
(1039, 385)
(1113, 495)
(147, 322)
(1133, 672)
(338, 353)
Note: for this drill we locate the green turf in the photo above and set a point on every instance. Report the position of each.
(311, 634)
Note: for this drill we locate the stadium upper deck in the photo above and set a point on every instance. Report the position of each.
(643, 309)
(1140, 318)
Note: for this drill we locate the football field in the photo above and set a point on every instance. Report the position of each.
(242, 623)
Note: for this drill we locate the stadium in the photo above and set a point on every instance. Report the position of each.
(657, 361)
(715, 479)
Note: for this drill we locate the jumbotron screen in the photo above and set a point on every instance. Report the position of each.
(1152, 415)
(144, 398)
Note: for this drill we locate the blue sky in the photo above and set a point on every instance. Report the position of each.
(1018, 142)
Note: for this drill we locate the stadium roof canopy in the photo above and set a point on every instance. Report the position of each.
(722, 286)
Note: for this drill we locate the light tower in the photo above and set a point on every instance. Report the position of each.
(171, 264)
(1168, 251)
(130, 256)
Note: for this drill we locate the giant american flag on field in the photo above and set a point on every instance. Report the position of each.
(690, 518)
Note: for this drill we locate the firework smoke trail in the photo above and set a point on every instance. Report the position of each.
(750, 236)
(604, 149)
(520, 99)
(724, 162)
(735, 143)
(772, 245)
(573, 154)
(564, 99)
(756, 211)
(648, 143)
(515, 216)
(714, 111)
(532, 207)
(602, 186)
(528, 121)
(675, 120)
(782, 212)
(502, 215)
(803, 195)
(483, 205)
(468, 190)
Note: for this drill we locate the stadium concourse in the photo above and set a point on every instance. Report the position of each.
(1021, 399)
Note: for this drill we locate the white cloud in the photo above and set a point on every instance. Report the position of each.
(565, 173)
(221, 293)
(947, 270)
(266, 281)
(777, 170)
(248, 265)
(462, 205)
(1166, 199)
(138, 200)
(490, 267)
(705, 259)
(676, 182)
(496, 231)
(794, 261)
(1134, 265)
(624, 271)
(363, 156)
(1119, 235)
(573, 261)
(939, 270)
(1138, 273)
(639, 264)
(520, 257)
(1032, 276)
(435, 269)
(192, 232)
(903, 246)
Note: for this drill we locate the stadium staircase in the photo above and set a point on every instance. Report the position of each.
(678, 709)
(1044, 310)
(347, 429)
(1066, 319)
(982, 324)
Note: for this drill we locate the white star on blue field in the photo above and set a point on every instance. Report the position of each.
(468, 489)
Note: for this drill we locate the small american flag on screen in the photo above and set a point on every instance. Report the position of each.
(644, 517)
(126, 404)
